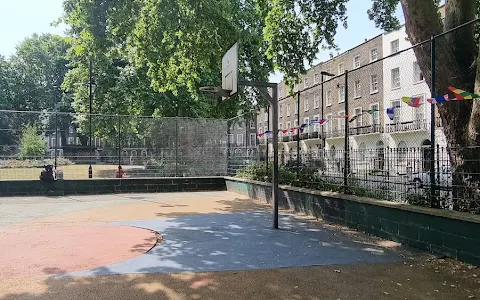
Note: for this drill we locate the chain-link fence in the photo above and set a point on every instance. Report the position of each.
(141, 146)
(370, 124)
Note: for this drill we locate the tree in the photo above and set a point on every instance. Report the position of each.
(32, 144)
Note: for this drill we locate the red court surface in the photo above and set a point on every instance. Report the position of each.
(57, 250)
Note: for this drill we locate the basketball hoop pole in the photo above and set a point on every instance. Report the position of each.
(273, 100)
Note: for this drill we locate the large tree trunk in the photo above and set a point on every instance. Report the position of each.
(455, 65)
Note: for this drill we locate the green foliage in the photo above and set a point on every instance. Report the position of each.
(31, 163)
(31, 143)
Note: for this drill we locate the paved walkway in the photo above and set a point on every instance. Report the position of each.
(216, 245)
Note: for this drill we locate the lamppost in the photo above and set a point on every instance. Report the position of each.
(324, 73)
(91, 87)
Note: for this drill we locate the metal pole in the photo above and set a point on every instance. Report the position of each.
(247, 139)
(433, 202)
(119, 145)
(275, 156)
(266, 138)
(228, 146)
(298, 130)
(90, 171)
(347, 150)
(176, 147)
(56, 138)
(323, 112)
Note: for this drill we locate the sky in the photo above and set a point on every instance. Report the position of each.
(21, 18)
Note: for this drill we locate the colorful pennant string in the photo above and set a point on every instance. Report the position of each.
(438, 99)
(413, 101)
(463, 95)
(391, 112)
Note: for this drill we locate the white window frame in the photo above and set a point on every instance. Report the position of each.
(359, 120)
(397, 111)
(394, 85)
(394, 46)
(240, 139)
(330, 123)
(280, 92)
(417, 73)
(316, 78)
(305, 82)
(376, 114)
(280, 110)
(357, 89)
(328, 97)
(253, 138)
(341, 96)
(356, 61)
(341, 121)
(296, 107)
(231, 138)
(316, 125)
(252, 124)
(372, 51)
(419, 112)
(289, 126)
(316, 100)
(306, 103)
(306, 120)
(341, 68)
(372, 89)
(295, 123)
(288, 110)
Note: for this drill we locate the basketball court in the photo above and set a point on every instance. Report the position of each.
(206, 245)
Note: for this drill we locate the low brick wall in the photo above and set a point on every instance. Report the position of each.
(109, 186)
(449, 233)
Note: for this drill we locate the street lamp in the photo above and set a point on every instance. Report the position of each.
(91, 85)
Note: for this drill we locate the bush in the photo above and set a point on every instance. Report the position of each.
(31, 163)
(31, 143)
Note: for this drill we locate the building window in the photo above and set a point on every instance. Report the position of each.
(419, 111)
(71, 140)
(253, 139)
(374, 84)
(329, 123)
(316, 78)
(252, 125)
(375, 115)
(295, 123)
(358, 120)
(71, 130)
(280, 110)
(395, 78)
(296, 107)
(341, 121)
(341, 69)
(357, 89)
(288, 110)
(329, 98)
(341, 93)
(394, 46)
(373, 54)
(417, 73)
(356, 62)
(239, 139)
(78, 141)
(316, 125)
(289, 125)
(306, 121)
(280, 93)
(305, 82)
(230, 139)
(396, 111)
(306, 103)
(316, 100)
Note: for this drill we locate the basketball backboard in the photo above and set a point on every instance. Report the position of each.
(230, 70)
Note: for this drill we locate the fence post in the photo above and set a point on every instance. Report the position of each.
(56, 138)
(266, 138)
(119, 144)
(298, 129)
(228, 146)
(176, 147)
(346, 168)
(433, 202)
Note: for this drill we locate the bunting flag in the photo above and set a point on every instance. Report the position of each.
(463, 95)
(261, 134)
(323, 122)
(391, 112)
(303, 126)
(284, 131)
(341, 117)
(268, 132)
(370, 111)
(354, 118)
(412, 102)
(293, 129)
(438, 99)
